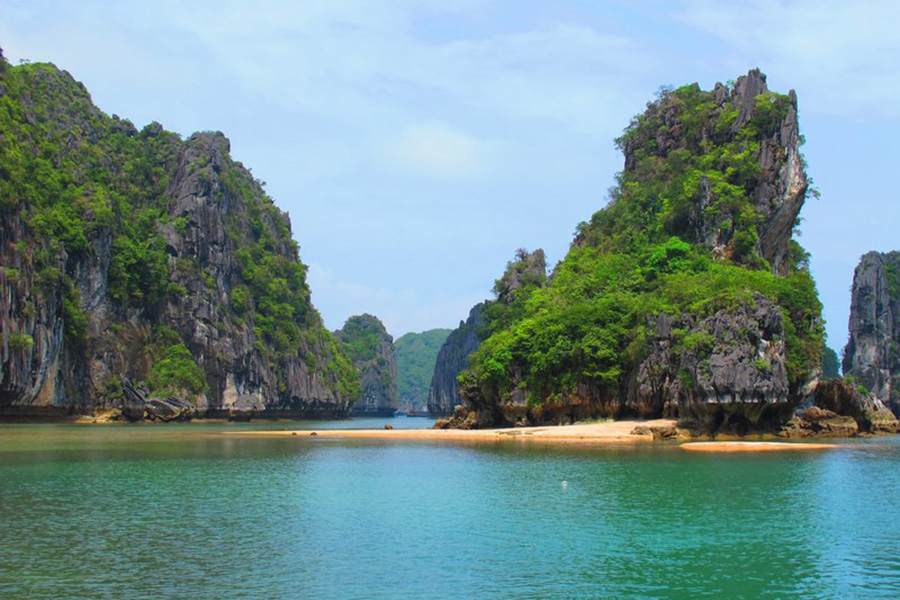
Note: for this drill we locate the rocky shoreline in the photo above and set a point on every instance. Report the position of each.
(836, 409)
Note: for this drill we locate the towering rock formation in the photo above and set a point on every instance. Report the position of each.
(685, 296)
(773, 183)
(371, 348)
(144, 274)
(872, 355)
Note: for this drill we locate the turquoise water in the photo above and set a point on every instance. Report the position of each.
(143, 511)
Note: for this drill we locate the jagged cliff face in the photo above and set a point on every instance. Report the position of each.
(452, 358)
(776, 188)
(872, 355)
(731, 371)
(146, 274)
(685, 296)
(371, 348)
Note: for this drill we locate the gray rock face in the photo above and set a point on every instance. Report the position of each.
(843, 398)
(726, 372)
(452, 358)
(371, 348)
(55, 365)
(33, 360)
(872, 354)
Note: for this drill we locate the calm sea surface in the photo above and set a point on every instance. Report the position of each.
(183, 511)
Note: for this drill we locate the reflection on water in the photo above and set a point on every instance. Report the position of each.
(181, 511)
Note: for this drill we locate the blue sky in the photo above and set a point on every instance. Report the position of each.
(417, 144)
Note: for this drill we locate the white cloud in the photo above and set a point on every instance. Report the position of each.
(418, 142)
(367, 60)
(566, 74)
(436, 149)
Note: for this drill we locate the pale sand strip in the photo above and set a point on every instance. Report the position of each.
(605, 432)
(753, 446)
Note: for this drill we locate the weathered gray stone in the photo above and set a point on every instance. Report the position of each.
(780, 189)
(452, 358)
(872, 354)
(842, 397)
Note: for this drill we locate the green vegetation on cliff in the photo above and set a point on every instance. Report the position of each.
(680, 236)
(371, 350)
(88, 188)
(76, 173)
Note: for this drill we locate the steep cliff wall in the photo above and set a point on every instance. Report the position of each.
(146, 274)
(872, 355)
(686, 295)
(371, 349)
(451, 359)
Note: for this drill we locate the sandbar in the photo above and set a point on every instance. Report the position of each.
(602, 432)
(753, 446)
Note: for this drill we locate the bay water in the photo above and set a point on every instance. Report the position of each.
(195, 511)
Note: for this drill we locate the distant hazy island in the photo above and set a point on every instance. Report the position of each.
(146, 276)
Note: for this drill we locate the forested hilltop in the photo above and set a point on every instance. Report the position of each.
(416, 357)
(144, 274)
(686, 296)
(371, 350)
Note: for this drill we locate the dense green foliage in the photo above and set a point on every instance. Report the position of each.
(641, 256)
(73, 186)
(892, 275)
(416, 354)
(78, 175)
(362, 337)
(175, 372)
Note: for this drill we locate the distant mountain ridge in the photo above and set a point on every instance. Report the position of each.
(416, 356)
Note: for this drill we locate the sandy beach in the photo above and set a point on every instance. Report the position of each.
(604, 432)
(734, 446)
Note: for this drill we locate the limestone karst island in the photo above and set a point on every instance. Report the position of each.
(333, 300)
